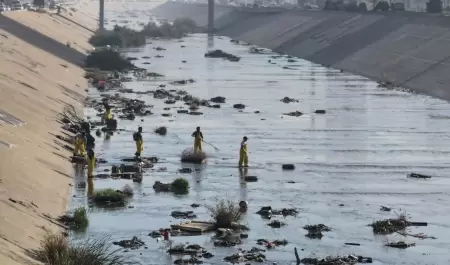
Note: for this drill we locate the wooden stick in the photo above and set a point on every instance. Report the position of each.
(296, 255)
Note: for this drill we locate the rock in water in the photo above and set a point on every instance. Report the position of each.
(161, 130)
(190, 156)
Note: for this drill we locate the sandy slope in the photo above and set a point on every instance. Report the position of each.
(34, 86)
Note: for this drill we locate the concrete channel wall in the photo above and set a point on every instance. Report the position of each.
(409, 49)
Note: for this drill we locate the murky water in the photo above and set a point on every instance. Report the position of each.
(356, 155)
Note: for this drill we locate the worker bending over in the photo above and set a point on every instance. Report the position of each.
(108, 115)
(90, 158)
(198, 138)
(243, 157)
(137, 137)
(80, 145)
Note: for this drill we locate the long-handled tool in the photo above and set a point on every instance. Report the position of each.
(217, 149)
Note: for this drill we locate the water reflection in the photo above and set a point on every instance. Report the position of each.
(243, 184)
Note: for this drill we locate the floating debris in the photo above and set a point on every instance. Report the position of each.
(385, 209)
(288, 167)
(161, 130)
(320, 111)
(247, 256)
(222, 54)
(347, 260)
(276, 224)
(183, 214)
(185, 170)
(271, 244)
(218, 100)
(267, 211)
(134, 243)
(294, 114)
(239, 106)
(419, 176)
(289, 100)
(316, 231)
(400, 244)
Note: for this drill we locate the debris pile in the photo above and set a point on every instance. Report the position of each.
(247, 256)
(183, 214)
(271, 244)
(190, 156)
(267, 211)
(289, 100)
(195, 251)
(161, 130)
(400, 244)
(227, 238)
(222, 54)
(316, 231)
(134, 243)
(345, 260)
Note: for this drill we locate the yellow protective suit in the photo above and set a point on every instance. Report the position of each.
(79, 146)
(243, 157)
(198, 143)
(90, 187)
(108, 114)
(91, 165)
(139, 147)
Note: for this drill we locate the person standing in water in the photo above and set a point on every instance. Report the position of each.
(80, 145)
(243, 156)
(108, 115)
(137, 137)
(198, 138)
(90, 158)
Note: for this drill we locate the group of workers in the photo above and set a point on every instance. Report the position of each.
(198, 139)
(80, 144)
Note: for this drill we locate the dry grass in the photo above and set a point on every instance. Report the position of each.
(224, 213)
(56, 250)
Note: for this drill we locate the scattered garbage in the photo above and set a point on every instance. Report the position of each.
(271, 244)
(267, 211)
(320, 111)
(288, 167)
(316, 231)
(276, 224)
(239, 106)
(218, 100)
(390, 226)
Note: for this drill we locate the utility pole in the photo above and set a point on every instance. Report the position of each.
(210, 17)
(101, 16)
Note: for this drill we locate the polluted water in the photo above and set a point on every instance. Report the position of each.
(349, 161)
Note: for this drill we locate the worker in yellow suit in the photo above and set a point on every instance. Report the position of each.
(137, 137)
(243, 156)
(90, 158)
(108, 115)
(79, 145)
(198, 138)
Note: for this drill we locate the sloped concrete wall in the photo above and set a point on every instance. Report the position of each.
(409, 49)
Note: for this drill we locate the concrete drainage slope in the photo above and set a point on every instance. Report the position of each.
(407, 49)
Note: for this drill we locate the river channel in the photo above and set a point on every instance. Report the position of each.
(349, 161)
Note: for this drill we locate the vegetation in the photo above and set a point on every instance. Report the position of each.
(224, 213)
(126, 37)
(389, 226)
(106, 196)
(56, 250)
(78, 220)
(179, 186)
(108, 60)
(434, 6)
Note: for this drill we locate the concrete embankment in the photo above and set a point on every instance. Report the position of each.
(408, 49)
(39, 76)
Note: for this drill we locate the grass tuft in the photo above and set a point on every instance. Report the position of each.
(224, 213)
(108, 196)
(56, 250)
(179, 186)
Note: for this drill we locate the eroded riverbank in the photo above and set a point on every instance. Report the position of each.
(349, 161)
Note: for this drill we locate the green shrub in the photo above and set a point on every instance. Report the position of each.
(108, 60)
(106, 196)
(56, 250)
(180, 186)
(80, 218)
(224, 213)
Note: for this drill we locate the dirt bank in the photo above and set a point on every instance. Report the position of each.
(35, 84)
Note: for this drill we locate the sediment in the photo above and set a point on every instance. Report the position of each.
(39, 75)
(403, 48)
